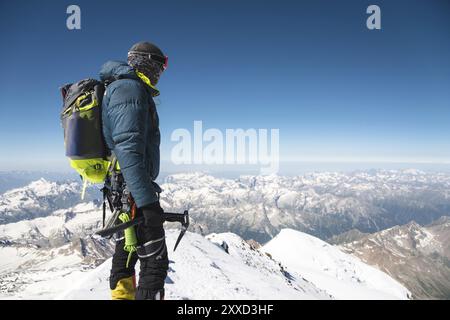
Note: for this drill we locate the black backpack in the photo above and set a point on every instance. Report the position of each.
(83, 136)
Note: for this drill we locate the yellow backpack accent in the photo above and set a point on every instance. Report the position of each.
(91, 170)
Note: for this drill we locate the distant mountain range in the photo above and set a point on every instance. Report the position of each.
(14, 179)
(40, 198)
(45, 225)
(258, 207)
(321, 204)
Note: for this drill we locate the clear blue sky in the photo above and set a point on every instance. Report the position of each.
(310, 68)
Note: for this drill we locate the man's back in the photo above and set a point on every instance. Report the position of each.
(131, 129)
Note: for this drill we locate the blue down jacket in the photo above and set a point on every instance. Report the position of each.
(131, 129)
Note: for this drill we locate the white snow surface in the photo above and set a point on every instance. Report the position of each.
(200, 269)
(309, 269)
(344, 276)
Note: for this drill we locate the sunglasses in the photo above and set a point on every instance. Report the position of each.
(164, 61)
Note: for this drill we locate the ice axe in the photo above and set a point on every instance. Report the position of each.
(182, 218)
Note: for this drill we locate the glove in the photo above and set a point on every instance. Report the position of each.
(153, 215)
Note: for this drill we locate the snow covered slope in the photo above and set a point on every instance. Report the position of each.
(417, 256)
(37, 254)
(342, 275)
(223, 266)
(201, 269)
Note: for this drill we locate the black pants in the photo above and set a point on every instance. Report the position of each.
(152, 254)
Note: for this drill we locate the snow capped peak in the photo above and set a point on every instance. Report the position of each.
(38, 198)
(344, 276)
(413, 172)
(42, 187)
(288, 234)
(40, 180)
(410, 236)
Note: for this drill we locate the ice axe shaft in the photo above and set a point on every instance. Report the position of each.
(182, 218)
(120, 227)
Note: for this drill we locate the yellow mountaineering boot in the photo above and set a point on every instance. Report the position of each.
(125, 289)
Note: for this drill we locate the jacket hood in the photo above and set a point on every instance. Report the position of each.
(114, 70)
